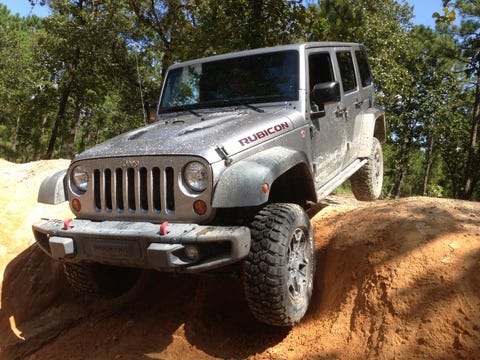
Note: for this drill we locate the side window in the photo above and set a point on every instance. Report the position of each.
(320, 69)
(364, 67)
(347, 71)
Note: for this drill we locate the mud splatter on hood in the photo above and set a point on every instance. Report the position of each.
(193, 135)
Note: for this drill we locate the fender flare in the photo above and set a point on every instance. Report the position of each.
(372, 125)
(241, 184)
(53, 190)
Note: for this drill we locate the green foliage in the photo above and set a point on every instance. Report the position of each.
(467, 36)
(448, 16)
(21, 83)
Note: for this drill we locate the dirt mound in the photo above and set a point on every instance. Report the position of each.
(396, 279)
(19, 209)
(399, 280)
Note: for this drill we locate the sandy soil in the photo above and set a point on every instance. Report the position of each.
(395, 280)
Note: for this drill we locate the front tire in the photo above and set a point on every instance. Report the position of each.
(367, 182)
(280, 268)
(101, 280)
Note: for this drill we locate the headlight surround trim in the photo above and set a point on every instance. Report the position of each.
(195, 176)
(80, 179)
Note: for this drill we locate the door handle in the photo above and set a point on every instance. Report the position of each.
(341, 112)
(358, 103)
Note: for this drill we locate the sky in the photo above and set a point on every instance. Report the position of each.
(24, 8)
(423, 9)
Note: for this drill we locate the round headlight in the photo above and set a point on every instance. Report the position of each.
(80, 178)
(195, 176)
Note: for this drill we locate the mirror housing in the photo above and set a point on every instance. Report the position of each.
(326, 93)
(151, 109)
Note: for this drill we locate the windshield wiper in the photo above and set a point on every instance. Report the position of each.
(244, 102)
(247, 102)
(179, 108)
(253, 107)
(190, 111)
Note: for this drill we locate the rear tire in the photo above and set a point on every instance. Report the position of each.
(367, 182)
(101, 280)
(279, 270)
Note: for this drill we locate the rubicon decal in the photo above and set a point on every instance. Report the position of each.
(264, 133)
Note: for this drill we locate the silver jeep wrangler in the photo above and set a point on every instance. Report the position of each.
(242, 144)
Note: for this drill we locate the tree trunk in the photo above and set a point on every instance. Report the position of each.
(399, 183)
(428, 168)
(471, 165)
(59, 118)
(38, 142)
(73, 129)
(402, 169)
(15, 135)
(63, 102)
(255, 23)
(140, 87)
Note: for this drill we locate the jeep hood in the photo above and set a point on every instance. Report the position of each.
(190, 134)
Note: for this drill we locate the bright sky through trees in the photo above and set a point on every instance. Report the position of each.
(423, 9)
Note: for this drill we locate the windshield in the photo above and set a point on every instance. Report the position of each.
(258, 78)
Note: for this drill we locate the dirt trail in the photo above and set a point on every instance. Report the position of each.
(395, 280)
(19, 185)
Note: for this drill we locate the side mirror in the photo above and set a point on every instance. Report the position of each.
(326, 93)
(151, 112)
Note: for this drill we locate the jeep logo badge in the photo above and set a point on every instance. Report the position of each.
(130, 164)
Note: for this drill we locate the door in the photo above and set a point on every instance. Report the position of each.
(327, 123)
(351, 103)
(365, 99)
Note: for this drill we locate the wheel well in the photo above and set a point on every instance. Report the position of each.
(294, 186)
(379, 131)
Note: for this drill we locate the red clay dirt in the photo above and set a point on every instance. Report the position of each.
(395, 280)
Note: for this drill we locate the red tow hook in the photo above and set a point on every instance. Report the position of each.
(66, 224)
(163, 228)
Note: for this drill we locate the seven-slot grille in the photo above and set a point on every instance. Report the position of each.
(134, 189)
(144, 188)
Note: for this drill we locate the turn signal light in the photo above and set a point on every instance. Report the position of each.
(76, 205)
(265, 188)
(200, 207)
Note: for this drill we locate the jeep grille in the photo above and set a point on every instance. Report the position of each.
(134, 189)
(145, 188)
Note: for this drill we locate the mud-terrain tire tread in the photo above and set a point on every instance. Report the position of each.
(368, 180)
(100, 280)
(266, 267)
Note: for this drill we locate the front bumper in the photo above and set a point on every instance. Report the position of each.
(185, 248)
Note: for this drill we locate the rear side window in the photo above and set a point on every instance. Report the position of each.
(347, 70)
(364, 67)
